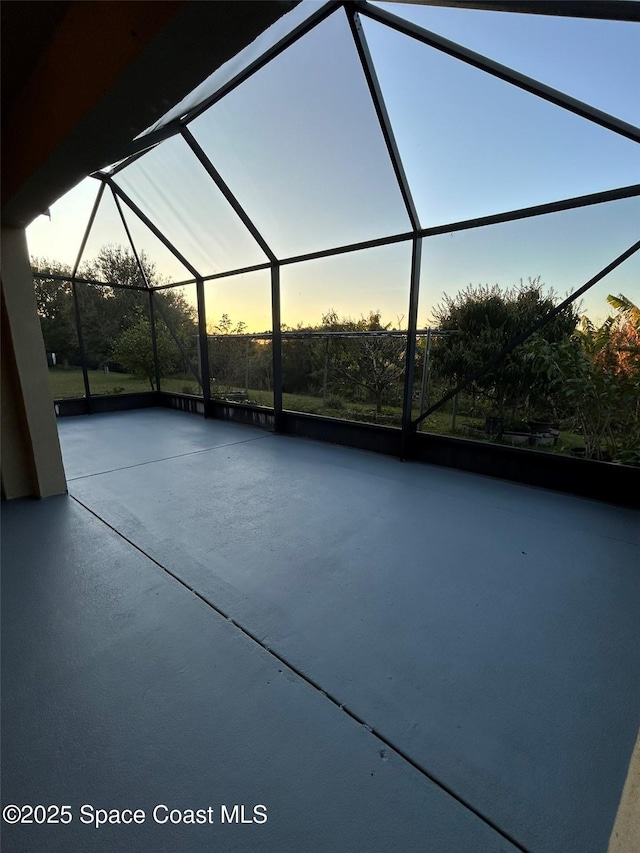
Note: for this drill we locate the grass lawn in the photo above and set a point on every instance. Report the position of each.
(68, 382)
(438, 422)
(334, 407)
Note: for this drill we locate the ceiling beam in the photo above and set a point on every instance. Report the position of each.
(616, 10)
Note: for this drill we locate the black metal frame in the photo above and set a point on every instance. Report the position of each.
(503, 72)
(146, 141)
(152, 319)
(380, 107)
(404, 443)
(520, 339)
(617, 10)
(154, 305)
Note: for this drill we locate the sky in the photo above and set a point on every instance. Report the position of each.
(299, 145)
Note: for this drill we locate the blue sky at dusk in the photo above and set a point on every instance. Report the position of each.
(299, 145)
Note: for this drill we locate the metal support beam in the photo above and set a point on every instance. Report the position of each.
(614, 10)
(143, 273)
(477, 60)
(412, 326)
(573, 203)
(157, 304)
(97, 282)
(323, 11)
(203, 343)
(133, 150)
(240, 271)
(381, 111)
(76, 304)
(520, 339)
(153, 228)
(142, 143)
(424, 392)
(152, 316)
(87, 231)
(537, 210)
(276, 347)
(154, 341)
(83, 360)
(466, 224)
(213, 173)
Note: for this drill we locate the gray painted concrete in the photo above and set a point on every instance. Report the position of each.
(151, 435)
(487, 630)
(121, 689)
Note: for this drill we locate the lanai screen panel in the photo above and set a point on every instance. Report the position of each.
(300, 146)
(351, 285)
(563, 249)
(239, 321)
(533, 264)
(596, 61)
(171, 186)
(54, 301)
(474, 145)
(239, 63)
(337, 358)
(161, 265)
(176, 322)
(244, 300)
(57, 235)
(108, 254)
(116, 327)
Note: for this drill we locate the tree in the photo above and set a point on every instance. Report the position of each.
(54, 301)
(301, 361)
(620, 335)
(594, 376)
(180, 316)
(486, 318)
(107, 311)
(228, 359)
(627, 308)
(116, 264)
(374, 362)
(134, 351)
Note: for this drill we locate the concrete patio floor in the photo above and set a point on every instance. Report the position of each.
(388, 656)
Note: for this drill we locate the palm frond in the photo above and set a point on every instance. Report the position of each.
(626, 306)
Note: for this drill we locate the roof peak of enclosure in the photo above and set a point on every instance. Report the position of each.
(438, 21)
